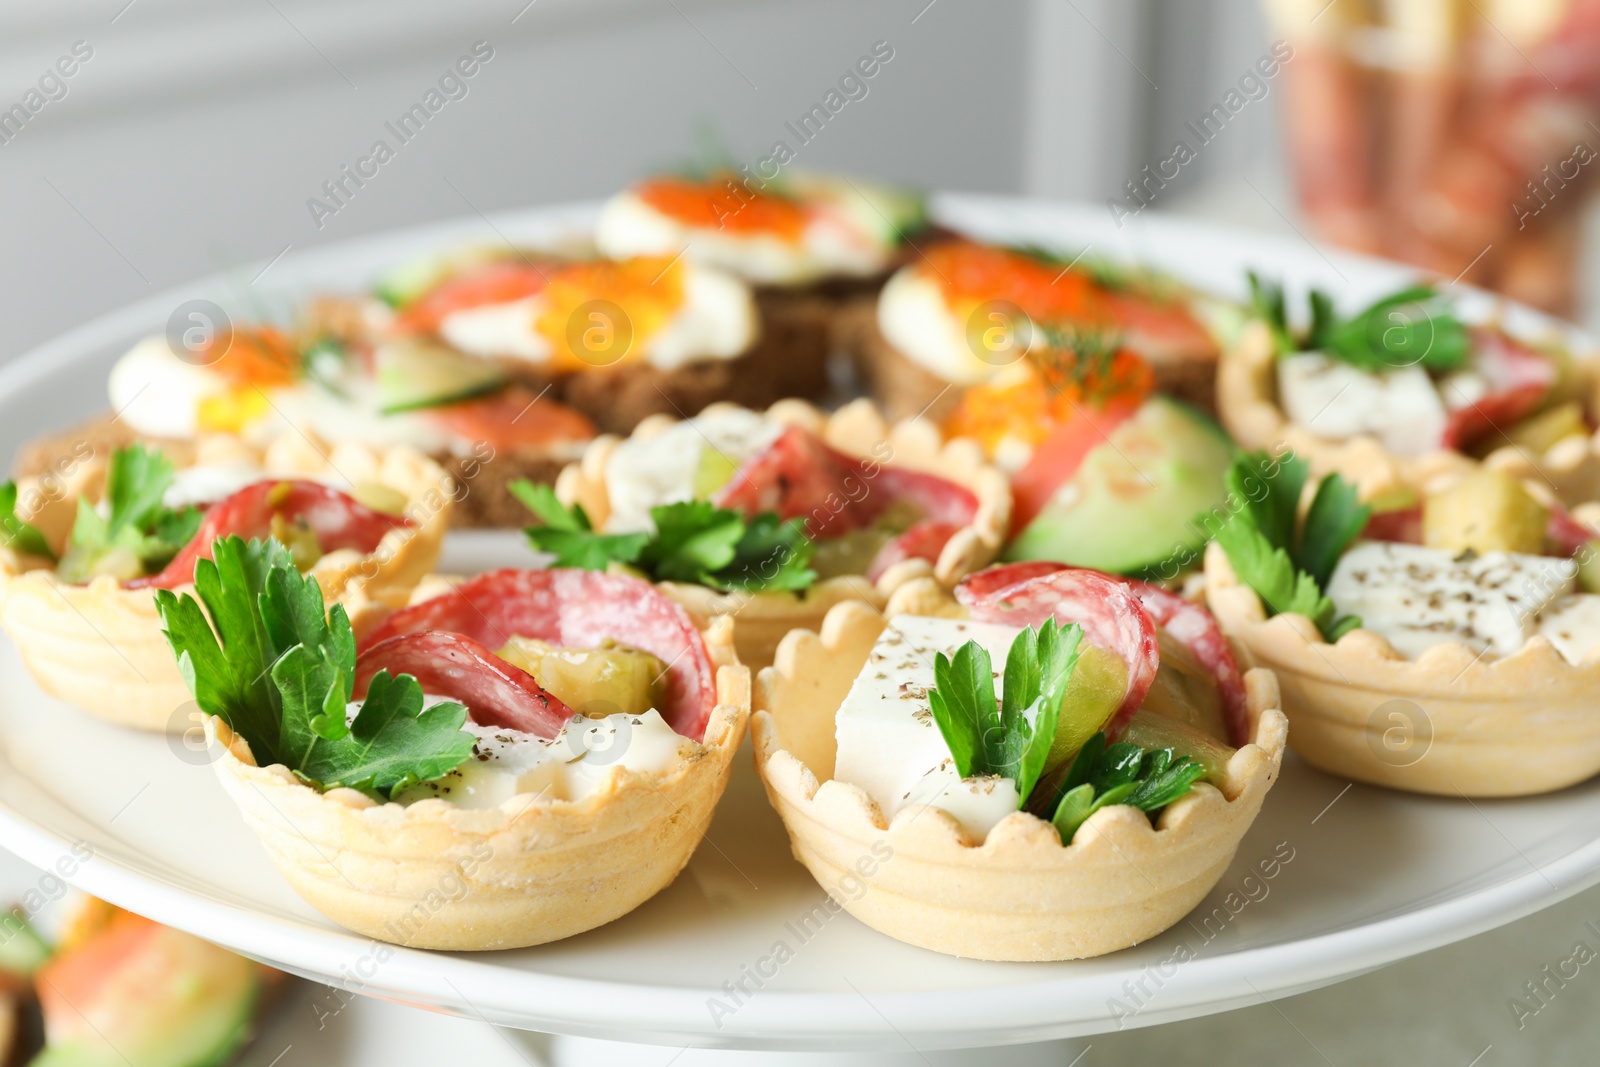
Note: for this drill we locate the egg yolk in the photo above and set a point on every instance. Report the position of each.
(599, 313)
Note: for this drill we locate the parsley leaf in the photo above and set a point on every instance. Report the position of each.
(1103, 775)
(1267, 301)
(138, 534)
(280, 671)
(693, 541)
(569, 535)
(1287, 571)
(1416, 325)
(1011, 740)
(15, 534)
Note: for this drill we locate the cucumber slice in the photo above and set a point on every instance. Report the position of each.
(22, 949)
(404, 283)
(888, 214)
(1132, 506)
(415, 374)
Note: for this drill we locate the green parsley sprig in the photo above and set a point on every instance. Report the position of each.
(1103, 775)
(1415, 326)
(1288, 562)
(1012, 738)
(693, 541)
(138, 534)
(21, 537)
(279, 669)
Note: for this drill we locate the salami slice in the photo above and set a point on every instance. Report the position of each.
(937, 499)
(1566, 533)
(495, 692)
(1190, 624)
(1196, 629)
(986, 582)
(1518, 379)
(575, 609)
(1112, 618)
(338, 521)
(925, 540)
(799, 475)
(1400, 524)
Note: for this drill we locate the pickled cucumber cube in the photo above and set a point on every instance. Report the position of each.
(1539, 433)
(1487, 511)
(594, 682)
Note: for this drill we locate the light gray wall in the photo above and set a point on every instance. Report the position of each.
(193, 137)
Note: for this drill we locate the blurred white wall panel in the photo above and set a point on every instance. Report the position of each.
(193, 137)
(1088, 93)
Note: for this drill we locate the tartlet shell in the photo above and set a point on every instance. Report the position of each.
(533, 870)
(1514, 725)
(1020, 895)
(1247, 403)
(764, 618)
(100, 647)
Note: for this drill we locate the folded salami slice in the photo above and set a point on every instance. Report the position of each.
(1189, 624)
(1111, 615)
(338, 521)
(1517, 378)
(496, 693)
(799, 475)
(1196, 629)
(925, 540)
(575, 609)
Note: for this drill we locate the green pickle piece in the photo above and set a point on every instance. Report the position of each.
(1094, 692)
(715, 471)
(592, 681)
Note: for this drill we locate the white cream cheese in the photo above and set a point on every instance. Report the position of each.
(1418, 597)
(831, 244)
(888, 742)
(208, 483)
(717, 320)
(1332, 399)
(1572, 624)
(674, 465)
(570, 766)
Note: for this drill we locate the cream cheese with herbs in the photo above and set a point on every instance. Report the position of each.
(1417, 597)
(570, 766)
(888, 741)
(689, 460)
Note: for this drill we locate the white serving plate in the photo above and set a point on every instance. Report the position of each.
(1374, 876)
